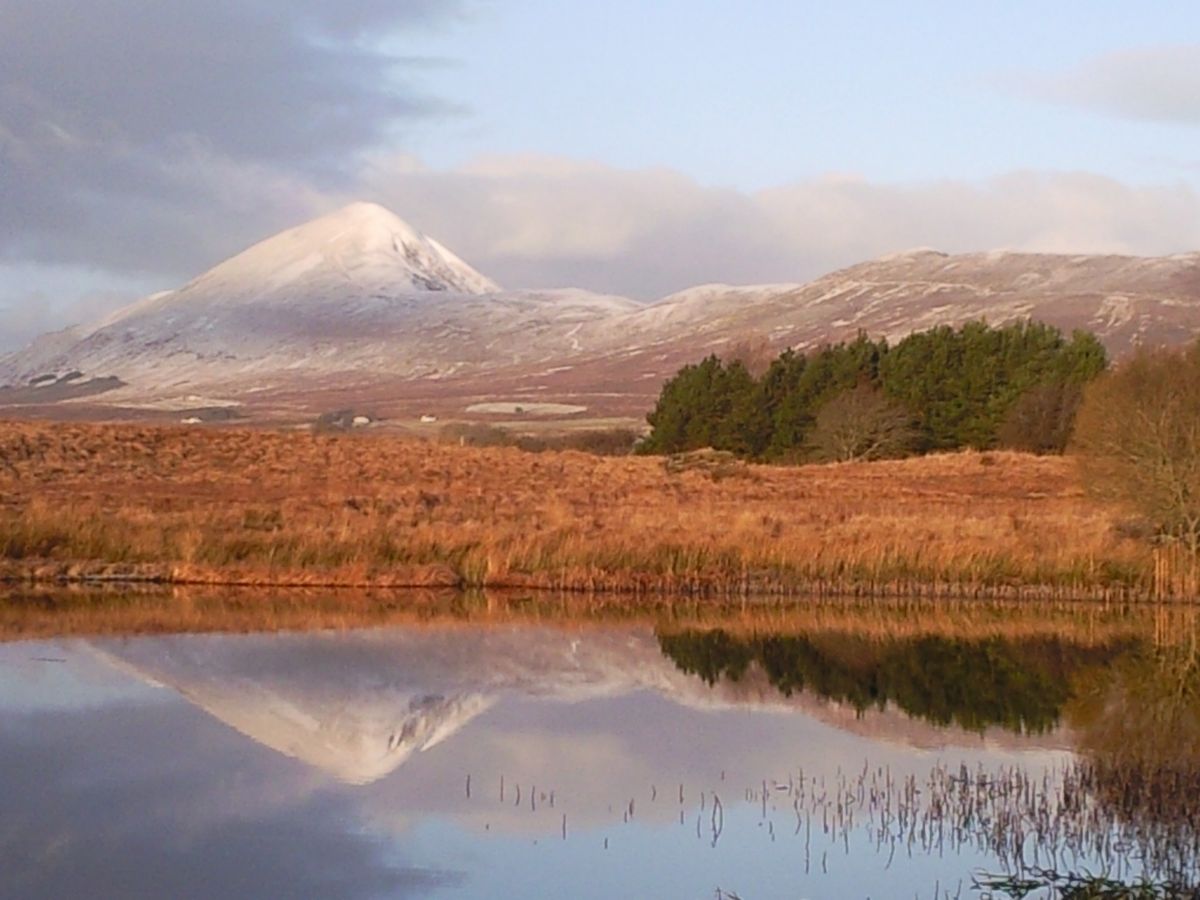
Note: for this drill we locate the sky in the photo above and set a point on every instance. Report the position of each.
(626, 147)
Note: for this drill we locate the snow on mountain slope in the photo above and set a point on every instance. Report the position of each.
(1125, 300)
(356, 290)
(358, 306)
(362, 245)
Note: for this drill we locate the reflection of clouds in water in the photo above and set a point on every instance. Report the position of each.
(158, 803)
(173, 793)
(358, 706)
(362, 706)
(43, 675)
(597, 757)
(431, 706)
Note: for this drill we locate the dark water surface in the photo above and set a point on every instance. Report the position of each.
(585, 760)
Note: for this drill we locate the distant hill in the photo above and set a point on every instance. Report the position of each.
(359, 307)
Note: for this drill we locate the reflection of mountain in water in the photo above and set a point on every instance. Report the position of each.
(335, 716)
(357, 705)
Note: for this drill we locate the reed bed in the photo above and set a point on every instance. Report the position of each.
(239, 506)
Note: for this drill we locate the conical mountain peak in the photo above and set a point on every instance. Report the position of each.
(362, 243)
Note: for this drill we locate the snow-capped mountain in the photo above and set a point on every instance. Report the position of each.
(355, 291)
(359, 306)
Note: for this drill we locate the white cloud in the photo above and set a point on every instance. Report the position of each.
(114, 181)
(1157, 84)
(538, 222)
(533, 222)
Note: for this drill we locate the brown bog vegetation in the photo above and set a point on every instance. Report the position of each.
(238, 506)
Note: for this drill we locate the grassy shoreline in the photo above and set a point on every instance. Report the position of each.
(83, 503)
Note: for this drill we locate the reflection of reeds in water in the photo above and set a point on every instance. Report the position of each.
(1120, 820)
(1078, 817)
(1162, 801)
(27, 612)
(1129, 806)
(1176, 572)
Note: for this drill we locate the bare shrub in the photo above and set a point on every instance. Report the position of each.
(1042, 418)
(1137, 438)
(861, 424)
(598, 441)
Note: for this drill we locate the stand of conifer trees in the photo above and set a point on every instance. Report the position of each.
(975, 386)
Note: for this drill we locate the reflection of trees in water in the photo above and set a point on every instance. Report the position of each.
(1022, 686)
(1144, 710)
(1139, 736)
(1127, 806)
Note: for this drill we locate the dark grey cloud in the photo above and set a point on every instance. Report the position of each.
(132, 131)
(249, 80)
(1155, 84)
(360, 16)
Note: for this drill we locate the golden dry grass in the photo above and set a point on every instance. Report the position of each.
(239, 506)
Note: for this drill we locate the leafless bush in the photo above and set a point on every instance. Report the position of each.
(1137, 439)
(861, 424)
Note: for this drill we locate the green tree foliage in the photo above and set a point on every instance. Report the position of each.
(712, 404)
(806, 383)
(961, 385)
(975, 386)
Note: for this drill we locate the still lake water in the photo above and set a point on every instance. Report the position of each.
(525, 760)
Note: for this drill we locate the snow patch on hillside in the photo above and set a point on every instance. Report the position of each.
(361, 295)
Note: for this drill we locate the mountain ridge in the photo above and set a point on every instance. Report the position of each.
(359, 304)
